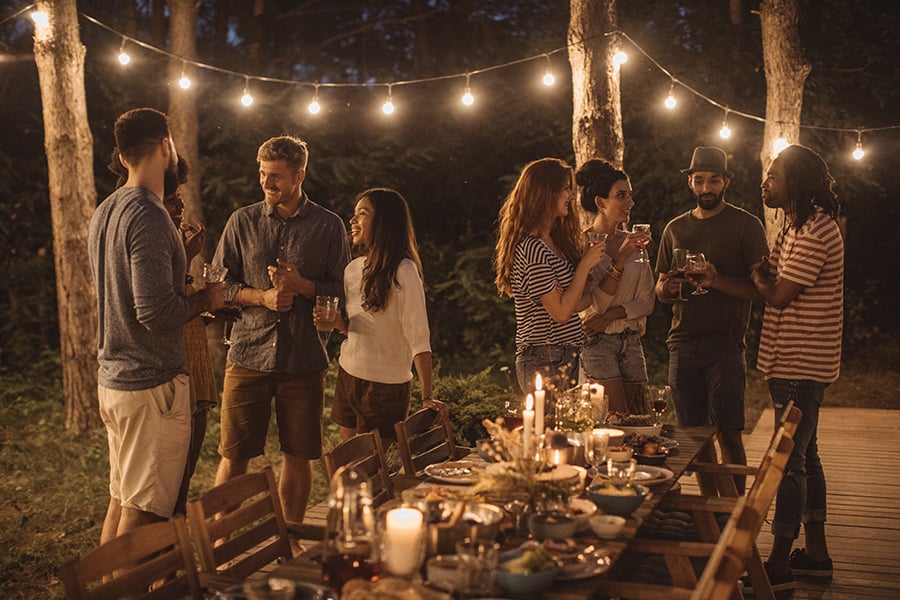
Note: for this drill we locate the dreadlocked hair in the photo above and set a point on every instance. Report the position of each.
(809, 185)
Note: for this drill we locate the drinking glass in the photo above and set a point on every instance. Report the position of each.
(621, 472)
(477, 563)
(642, 228)
(212, 274)
(592, 237)
(596, 443)
(658, 397)
(679, 263)
(327, 312)
(512, 414)
(696, 267)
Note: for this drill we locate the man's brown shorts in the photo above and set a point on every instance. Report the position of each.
(247, 409)
(367, 405)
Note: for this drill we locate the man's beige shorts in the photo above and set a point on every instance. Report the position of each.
(149, 433)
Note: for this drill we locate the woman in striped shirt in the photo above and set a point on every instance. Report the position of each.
(540, 264)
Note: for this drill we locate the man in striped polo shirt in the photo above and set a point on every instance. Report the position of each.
(800, 347)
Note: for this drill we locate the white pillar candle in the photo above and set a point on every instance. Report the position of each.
(597, 394)
(402, 540)
(527, 425)
(539, 398)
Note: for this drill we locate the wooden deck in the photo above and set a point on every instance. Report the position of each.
(859, 450)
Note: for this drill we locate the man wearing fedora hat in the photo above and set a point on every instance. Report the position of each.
(707, 366)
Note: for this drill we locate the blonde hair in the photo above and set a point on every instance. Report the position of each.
(526, 207)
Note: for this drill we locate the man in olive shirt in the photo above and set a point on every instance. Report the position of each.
(707, 366)
(280, 253)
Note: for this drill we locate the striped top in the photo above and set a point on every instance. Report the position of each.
(537, 271)
(803, 340)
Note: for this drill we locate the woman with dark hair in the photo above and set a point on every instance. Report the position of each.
(540, 264)
(617, 317)
(387, 323)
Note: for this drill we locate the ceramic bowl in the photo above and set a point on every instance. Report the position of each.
(606, 527)
(552, 526)
(612, 501)
(615, 435)
(619, 453)
(657, 459)
(523, 586)
(582, 509)
(648, 430)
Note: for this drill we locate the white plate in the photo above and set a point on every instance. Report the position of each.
(585, 564)
(558, 473)
(646, 474)
(648, 430)
(667, 443)
(459, 472)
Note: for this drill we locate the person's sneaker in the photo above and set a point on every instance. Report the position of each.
(779, 583)
(801, 564)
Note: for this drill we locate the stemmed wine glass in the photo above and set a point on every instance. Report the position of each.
(696, 267)
(658, 396)
(679, 263)
(592, 238)
(642, 228)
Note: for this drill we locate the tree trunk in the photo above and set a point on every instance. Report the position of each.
(786, 69)
(597, 109)
(183, 120)
(59, 56)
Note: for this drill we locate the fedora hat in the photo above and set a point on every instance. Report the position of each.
(709, 158)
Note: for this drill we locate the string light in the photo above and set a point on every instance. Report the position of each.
(41, 19)
(246, 98)
(184, 82)
(388, 106)
(725, 131)
(124, 57)
(859, 153)
(314, 106)
(780, 144)
(670, 101)
(467, 98)
(619, 59)
(548, 79)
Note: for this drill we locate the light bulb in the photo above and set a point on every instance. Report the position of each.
(388, 107)
(859, 153)
(41, 19)
(246, 99)
(549, 79)
(185, 82)
(725, 132)
(780, 144)
(619, 58)
(468, 99)
(670, 101)
(124, 58)
(314, 107)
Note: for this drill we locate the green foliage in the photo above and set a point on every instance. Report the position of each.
(472, 398)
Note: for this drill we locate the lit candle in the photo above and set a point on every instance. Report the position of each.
(403, 540)
(539, 394)
(527, 425)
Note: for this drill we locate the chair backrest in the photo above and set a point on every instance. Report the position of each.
(729, 556)
(770, 473)
(422, 443)
(239, 526)
(790, 419)
(154, 561)
(365, 452)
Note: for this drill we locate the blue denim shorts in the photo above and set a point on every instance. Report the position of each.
(608, 356)
(557, 364)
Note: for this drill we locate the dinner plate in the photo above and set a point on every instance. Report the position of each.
(646, 474)
(558, 473)
(594, 562)
(459, 472)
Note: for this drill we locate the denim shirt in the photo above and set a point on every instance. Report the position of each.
(315, 240)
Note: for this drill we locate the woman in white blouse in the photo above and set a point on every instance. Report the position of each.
(617, 318)
(387, 323)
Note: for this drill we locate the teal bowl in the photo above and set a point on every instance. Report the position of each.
(617, 504)
(523, 586)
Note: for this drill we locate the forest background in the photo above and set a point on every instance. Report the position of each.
(453, 163)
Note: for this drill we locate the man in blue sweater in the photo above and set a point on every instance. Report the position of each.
(138, 265)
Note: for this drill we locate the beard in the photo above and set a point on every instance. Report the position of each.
(709, 201)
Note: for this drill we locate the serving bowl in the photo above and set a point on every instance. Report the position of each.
(523, 586)
(617, 500)
(582, 509)
(606, 527)
(648, 430)
(657, 459)
(552, 526)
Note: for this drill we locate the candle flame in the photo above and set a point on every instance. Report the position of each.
(529, 401)
(538, 382)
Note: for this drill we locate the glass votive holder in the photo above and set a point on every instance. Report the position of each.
(621, 472)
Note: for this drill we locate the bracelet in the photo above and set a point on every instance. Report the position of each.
(614, 272)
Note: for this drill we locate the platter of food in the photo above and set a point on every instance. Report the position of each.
(458, 472)
(641, 424)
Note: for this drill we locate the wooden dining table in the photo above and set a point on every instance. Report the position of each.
(690, 442)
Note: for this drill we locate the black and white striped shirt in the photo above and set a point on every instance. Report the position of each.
(536, 271)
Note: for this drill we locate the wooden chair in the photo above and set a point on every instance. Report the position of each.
(422, 443)
(154, 561)
(239, 528)
(366, 452)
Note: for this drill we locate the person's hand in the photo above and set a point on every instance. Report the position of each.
(709, 275)
(632, 243)
(596, 323)
(441, 408)
(672, 283)
(762, 271)
(285, 276)
(593, 255)
(278, 300)
(193, 237)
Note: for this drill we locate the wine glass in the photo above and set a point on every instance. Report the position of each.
(512, 414)
(696, 267)
(679, 263)
(595, 444)
(212, 274)
(642, 228)
(658, 397)
(592, 238)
